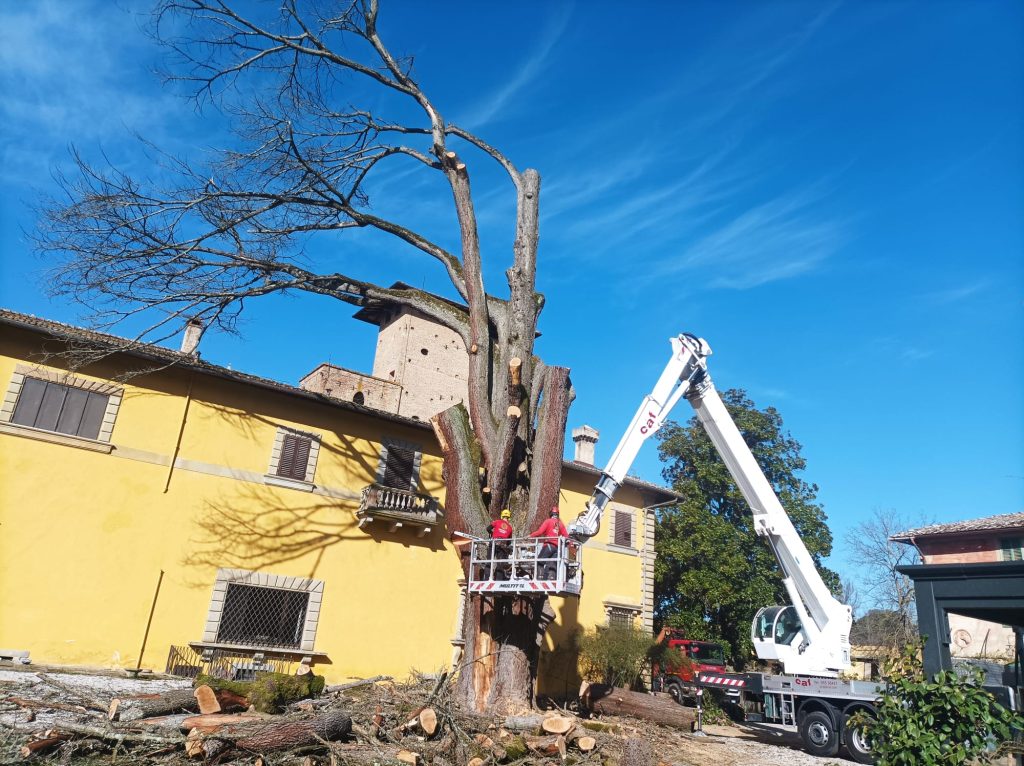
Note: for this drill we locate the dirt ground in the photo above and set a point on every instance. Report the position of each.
(743, 745)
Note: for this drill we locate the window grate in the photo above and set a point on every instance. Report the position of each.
(620, 619)
(255, 616)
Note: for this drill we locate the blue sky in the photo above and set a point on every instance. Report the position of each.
(831, 194)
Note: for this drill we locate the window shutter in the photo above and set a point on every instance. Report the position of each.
(624, 529)
(29, 399)
(294, 458)
(64, 409)
(399, 468)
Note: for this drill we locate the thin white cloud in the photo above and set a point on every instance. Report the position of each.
(778, 239)
(958, 293)
(483, 112)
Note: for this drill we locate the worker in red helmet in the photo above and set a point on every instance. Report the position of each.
(500, 530)
(549, 532)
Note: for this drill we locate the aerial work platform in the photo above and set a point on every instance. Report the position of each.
(515, 566)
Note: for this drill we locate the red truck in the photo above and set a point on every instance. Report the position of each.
(703, 656)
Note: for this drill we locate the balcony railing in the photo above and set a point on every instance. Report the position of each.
(398, 508)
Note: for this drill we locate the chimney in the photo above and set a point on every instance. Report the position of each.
(585, 438)
(190, 341)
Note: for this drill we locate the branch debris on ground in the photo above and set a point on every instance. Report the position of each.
(67, 718)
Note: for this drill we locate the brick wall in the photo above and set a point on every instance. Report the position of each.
(348, 385)
(427, 360)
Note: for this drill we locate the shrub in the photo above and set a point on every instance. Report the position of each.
(950, 720)
(615, 656)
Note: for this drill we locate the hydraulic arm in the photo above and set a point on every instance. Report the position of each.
(811, 635)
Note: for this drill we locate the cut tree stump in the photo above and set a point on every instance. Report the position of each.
(149, 705)
(609, 700)
(269, 735)
(557, 724)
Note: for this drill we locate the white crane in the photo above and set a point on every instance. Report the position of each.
(810, 636)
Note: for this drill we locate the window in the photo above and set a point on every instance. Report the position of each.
(399, 466)
(293, 459)
(623, 529)
(60, 408)
(73, 410)
(1012, 548)
(294, 456)
(619, 617)
(255, 616)
(266, 611)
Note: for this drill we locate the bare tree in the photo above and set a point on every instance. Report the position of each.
(890, 594)
(201, 240)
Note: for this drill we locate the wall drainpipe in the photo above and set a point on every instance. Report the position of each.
(181, 432)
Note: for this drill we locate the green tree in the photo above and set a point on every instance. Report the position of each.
(712, 572)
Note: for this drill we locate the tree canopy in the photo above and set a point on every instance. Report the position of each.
(712, 572)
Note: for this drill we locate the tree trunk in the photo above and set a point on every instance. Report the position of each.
(503, 634)
(598, 698)
(266, 737)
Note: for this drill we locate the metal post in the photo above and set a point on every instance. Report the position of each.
(699, 731)
(149, 622)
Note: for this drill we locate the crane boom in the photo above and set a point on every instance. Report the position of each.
(809, 636)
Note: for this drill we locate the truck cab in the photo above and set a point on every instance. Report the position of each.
(680, 680)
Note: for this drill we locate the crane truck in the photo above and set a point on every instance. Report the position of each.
(809, 637)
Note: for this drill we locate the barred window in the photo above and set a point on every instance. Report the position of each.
(56, 407)
(269, 617)
(263, 611)
(620, 618)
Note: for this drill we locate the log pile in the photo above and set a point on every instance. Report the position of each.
(375, 721)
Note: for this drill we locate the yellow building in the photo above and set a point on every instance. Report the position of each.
(282, 523)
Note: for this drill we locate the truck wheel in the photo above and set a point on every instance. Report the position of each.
(857, 745)
(819, 734)
(675, 691)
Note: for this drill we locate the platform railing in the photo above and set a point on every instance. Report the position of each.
(523, 565)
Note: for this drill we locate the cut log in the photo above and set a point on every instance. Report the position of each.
(43, 746)
(206, 698)
(484, 741)
(608, 700)
(523, 722)
(476, 762)
(207, 724)
(585, 744)
(513, 411)
(557, 724)
(194, 744)
(552, 744)
(134, 708)
(378, 722)
(408, 756)
(269, 735)
(422, 720)
(269, 692)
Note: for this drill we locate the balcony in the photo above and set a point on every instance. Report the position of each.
(398, 508)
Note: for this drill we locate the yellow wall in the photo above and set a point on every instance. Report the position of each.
(84, 535)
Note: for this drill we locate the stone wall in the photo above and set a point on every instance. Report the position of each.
(352, 386)
(427, 360)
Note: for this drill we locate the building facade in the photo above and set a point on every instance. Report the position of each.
(976, 541)
(252, 517)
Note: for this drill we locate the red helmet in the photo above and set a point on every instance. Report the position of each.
(554, 511)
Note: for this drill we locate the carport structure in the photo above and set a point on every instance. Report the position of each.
(992, 591)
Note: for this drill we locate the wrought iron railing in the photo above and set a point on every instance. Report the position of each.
(236, 665)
